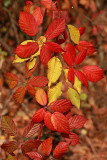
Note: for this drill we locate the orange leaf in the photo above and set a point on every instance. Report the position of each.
(41, 97)
(47, 146)
(47, 121)
(19, 95)
(60, 149)
(60, 122)
(12, 80)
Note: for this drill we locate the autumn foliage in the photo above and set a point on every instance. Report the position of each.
(55, 113)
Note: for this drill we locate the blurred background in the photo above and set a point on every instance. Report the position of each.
(91, 14)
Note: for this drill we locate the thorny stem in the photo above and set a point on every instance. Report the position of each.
(40, 132)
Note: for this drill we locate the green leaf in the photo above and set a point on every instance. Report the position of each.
(74, 97)
(6, 3)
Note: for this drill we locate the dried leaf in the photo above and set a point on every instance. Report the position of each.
(12, 80)
(29, 145)
(10, 146)
(8, 125)
(19, 95)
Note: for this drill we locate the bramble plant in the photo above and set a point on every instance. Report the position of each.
(54, 113)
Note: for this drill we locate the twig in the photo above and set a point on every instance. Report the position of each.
(5, 46)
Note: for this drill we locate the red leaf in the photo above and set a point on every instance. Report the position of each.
(54, 47)
(31, 90)
(39, 115)
(81, 30)
(74, 138)
(45, 54)
(28, 6)
(41, 97)
(8, 125)
(47, 121)
(47, 147)
(82, 78)
(77, 122)
(29, 145)
(55, 28)
(35, 155)
(38, 81)
(69, 55)
(28, 24)
(60, 122)
(19, 95)
(10, 146)
(25, 51)
(48, 4)
(71, 75)
(28, 72)
(93, 73)
(60, 149)
(31, 129)
(38, 15)
(62, 105)
(69, 115)
(12, 80)
(60, 41)
(81, 56)
(85, 45)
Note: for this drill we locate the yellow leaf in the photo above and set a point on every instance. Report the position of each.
(31, 63)
(54, 92)
(74, 33)
(54, 70)
(41, 40)
(77, 84)
(19, 60)
(74, 97)
(66, 74)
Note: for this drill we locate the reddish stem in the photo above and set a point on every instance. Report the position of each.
(59, 9)
(40, 132)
